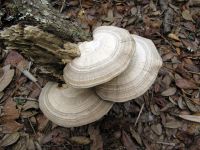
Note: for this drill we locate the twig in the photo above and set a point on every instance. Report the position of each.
(25, 98)
(166, 41)
(139, 115)
(166, 143)
(197, 73)
(31, 126)
(63, 6)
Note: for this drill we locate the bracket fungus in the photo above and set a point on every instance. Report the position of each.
(119, 65)
(71, 107)
(6, 76)
(102, 59)
(137, 78)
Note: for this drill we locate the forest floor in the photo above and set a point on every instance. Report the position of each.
(166, 117)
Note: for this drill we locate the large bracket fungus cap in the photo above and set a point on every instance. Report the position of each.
(102, 59)
(71, 107)
(137, 78)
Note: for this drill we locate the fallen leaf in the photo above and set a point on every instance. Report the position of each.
(9, 139)
(6, 76)
(136, 136)
(22, 144)
(30, 105)
(13, 58)
(186, 84)
(97, 142)
(42, 122)
(11, 126)
(195, 118)
(157, 128)
(10, 111)
(82, 140)
(186, 15)
(173, 124)
(57, 136)
(173, 36)
(169, 92)
(127, 141)
(31, 145)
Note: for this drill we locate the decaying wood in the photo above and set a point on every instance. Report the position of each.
(42, 13)
(51, 53)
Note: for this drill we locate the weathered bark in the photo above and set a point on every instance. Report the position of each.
(46, 50)
(50, 49)
(40, 12)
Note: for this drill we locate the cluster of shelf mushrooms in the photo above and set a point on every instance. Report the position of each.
(114, 67)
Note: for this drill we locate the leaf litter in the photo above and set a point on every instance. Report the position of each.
(165, 121)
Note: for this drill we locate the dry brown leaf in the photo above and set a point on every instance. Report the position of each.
(57, 136)
(42, 122)
(169, 92)
(6, 76)
(186, 84)
(22, 144)
(186, 15)
(173, 124)
(97, 142)
(28, 114)
(30, 105)
(157, 128)
(31, 145)
(11, 126)
(127, 141)
(173, 36)
(136, 136)
(195, 118)
(9, 139)
(10, 111)
(82, 140)
(13, 58)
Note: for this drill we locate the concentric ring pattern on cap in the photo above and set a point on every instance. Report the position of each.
(137, 78)
(71, 107)
(102, 59)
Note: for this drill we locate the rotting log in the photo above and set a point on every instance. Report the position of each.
(48, 52)
(50, 44)
(42, 13)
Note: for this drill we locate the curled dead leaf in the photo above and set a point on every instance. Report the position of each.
(10, 111)
(11, 126)
(127, 141)
(9, 139)
(6, 76)
(186, 84)
(186, 15)
(173, 36)
(195, 118)
(95, 136)
(169, 92)
(30, 105)
(173, 124)
(82, 140)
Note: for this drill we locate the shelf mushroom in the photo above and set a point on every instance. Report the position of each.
(69, 107)
(102, 59)
(137, 78)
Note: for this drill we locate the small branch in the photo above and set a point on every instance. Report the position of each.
(139, 115)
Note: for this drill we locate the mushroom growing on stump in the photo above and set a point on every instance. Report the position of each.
(69, 107)
(137, 78)
(102, 59)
